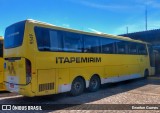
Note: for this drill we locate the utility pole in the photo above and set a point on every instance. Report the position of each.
(127, 29)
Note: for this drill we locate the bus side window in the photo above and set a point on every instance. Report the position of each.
(91, 44)
(121, 47)
(108, 45)
(132, 48)
(142, 49)
(42, 36)
(72, 42)
(55, 41)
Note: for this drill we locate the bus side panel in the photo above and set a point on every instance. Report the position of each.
(46, 82)
(123, 64)
(63, 83)
(132, 67)
(123, 68)
(111, 71)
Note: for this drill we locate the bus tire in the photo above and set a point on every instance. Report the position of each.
(94, 83)
(77, 87)
(146, 73)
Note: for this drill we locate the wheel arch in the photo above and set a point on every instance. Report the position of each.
(95, 75)
(146, 72)
(80, 76)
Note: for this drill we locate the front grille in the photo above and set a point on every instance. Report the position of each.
(46, 86)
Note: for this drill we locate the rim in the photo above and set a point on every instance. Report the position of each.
(94, 83)
(77, 86)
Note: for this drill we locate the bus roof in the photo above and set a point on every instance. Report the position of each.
(85, 32)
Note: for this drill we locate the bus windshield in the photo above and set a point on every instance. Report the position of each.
(14, 35)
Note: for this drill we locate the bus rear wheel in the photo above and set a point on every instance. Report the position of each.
(94, 83)
(77, 87)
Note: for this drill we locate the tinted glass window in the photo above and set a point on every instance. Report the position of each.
(108, 45)
(91, 44)
(14, 35)
(72, 42)
(48, 40)
(42, 35)
(122, 47)
(132, 48)
(142, 49)
(1, 48)
(55, 40)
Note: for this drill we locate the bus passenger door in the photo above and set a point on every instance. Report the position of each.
(153, 59)
(143, 58)
(142, 63)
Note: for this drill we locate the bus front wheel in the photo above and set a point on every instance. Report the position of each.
(94, 83)
(77, 86)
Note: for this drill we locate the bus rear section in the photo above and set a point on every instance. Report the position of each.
(2, 87)
(17, 66)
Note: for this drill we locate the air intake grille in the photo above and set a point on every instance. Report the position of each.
(47, 86)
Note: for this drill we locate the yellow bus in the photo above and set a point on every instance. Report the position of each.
(2, 86)
(43, 59)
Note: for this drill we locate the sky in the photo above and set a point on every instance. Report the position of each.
(106, 16)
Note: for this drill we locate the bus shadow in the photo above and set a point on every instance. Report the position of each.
(106, 90)
(2, 92)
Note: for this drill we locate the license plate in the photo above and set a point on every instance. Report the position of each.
(11, 85)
